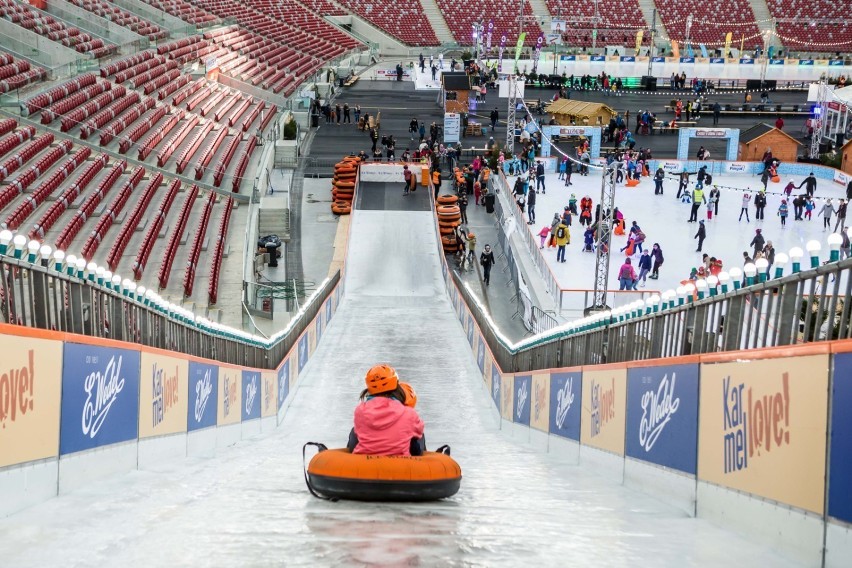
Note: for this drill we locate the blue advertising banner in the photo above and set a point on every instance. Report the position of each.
(444, 270)
(840, 468)
(806, 61)
(100, 397)
(521, 400)
(203, 396)
(687, 60)
(470, 329)
(717, 60)
(835, 63)
(303, 351)
(283, 383)
(598, 58)
(318, 327)
(628, 58)
(480, 354)
(565, 404)
(327, 310)
(251, 395)
(746, 61)
(496, 379)
(776, 62)
(567, 58)
(662, 416)
(659, 59)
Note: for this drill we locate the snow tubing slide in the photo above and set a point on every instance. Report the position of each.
(339, 474)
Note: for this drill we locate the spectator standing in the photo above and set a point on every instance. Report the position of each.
(779, 123)
(827, 211)
(495, 116)
(347, 117)
(531, 207)
(357, 113)
(841, 216)
(717, 110)
(406, 174)
(338, 113)
(486, 259)
(700, 235)
(626, 275)
(563, 238)
(810, 184)
(657, 254)
(539, 176)
(744, 209)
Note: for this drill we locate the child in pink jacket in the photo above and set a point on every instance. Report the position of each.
(386, 423)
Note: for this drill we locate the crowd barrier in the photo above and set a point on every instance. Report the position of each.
(756, 441)
(74, 409)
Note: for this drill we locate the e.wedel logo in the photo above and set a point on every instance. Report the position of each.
(564, 401)
(203, 390)
(251, 393)
(523, 395)
(102, 390)
(657, 410)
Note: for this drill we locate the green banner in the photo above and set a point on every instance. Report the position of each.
(520, 46)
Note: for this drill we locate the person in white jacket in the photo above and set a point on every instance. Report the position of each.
(746, 202)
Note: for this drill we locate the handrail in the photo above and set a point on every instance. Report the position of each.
(814, 305)
(46, 290)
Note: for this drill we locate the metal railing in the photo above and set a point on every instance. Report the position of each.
(804, 307)
(52, 294)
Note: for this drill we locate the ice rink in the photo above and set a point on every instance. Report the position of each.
(663, 219)
(249, 506)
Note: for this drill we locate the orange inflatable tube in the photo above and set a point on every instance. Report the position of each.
(447, 200)
(344, 184)
(338, 474)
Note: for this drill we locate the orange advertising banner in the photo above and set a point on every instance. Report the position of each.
(269, 398)
(762, 428)
(230, 395)
(540, 411)
(163, 395)
(30, 391)
(604, 408)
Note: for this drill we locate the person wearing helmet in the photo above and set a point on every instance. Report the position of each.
(386, 423)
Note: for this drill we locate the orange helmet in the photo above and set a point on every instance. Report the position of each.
(381, 378)
(410, 395)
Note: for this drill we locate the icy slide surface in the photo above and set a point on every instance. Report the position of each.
(249, 506)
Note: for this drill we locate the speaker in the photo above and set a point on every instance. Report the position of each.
(649, 83)
(753, 84)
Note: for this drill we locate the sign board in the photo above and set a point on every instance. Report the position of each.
(452, 127)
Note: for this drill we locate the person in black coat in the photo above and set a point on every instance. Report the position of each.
(700, 235)
(659, 176)
(657, 255)
(486, 259)
(758, 242)
(759, 204)
(531, 207)
(849, 191)
(810, 184)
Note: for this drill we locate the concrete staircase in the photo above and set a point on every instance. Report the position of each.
(647, 7)
(763, 18)
(541, 13)
(433, 13)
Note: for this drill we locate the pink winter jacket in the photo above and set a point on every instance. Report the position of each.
(385, 427)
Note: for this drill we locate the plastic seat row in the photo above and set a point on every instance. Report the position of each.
(125, 63)
(193, 146)
(167, 90)
(129, 225)
(7, 125)
(69, 195)
(505, 20)
(154, 226)
(185, 11)
(110, 112)
(122, 18)
(210, 151)
(117, 126)
(151, 141)
(55, 30)
(211, 102)
(91, 107)
(15, 139)
(403, 19)
(165, 153)
(242, 163)
(68, 104)
(199, 96)
(818, 25)
(144, 125)
(24, 155)
(218, 251)
(46, 188)
(252, 116)
(709, 21)
(152, 74)
(197, 243)
(113, 210)
(57, 93)
(25, 179)
(190, 89)
(174, 239)
(224, 162)
(88, 206)
(160, 81)
(141, 67)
